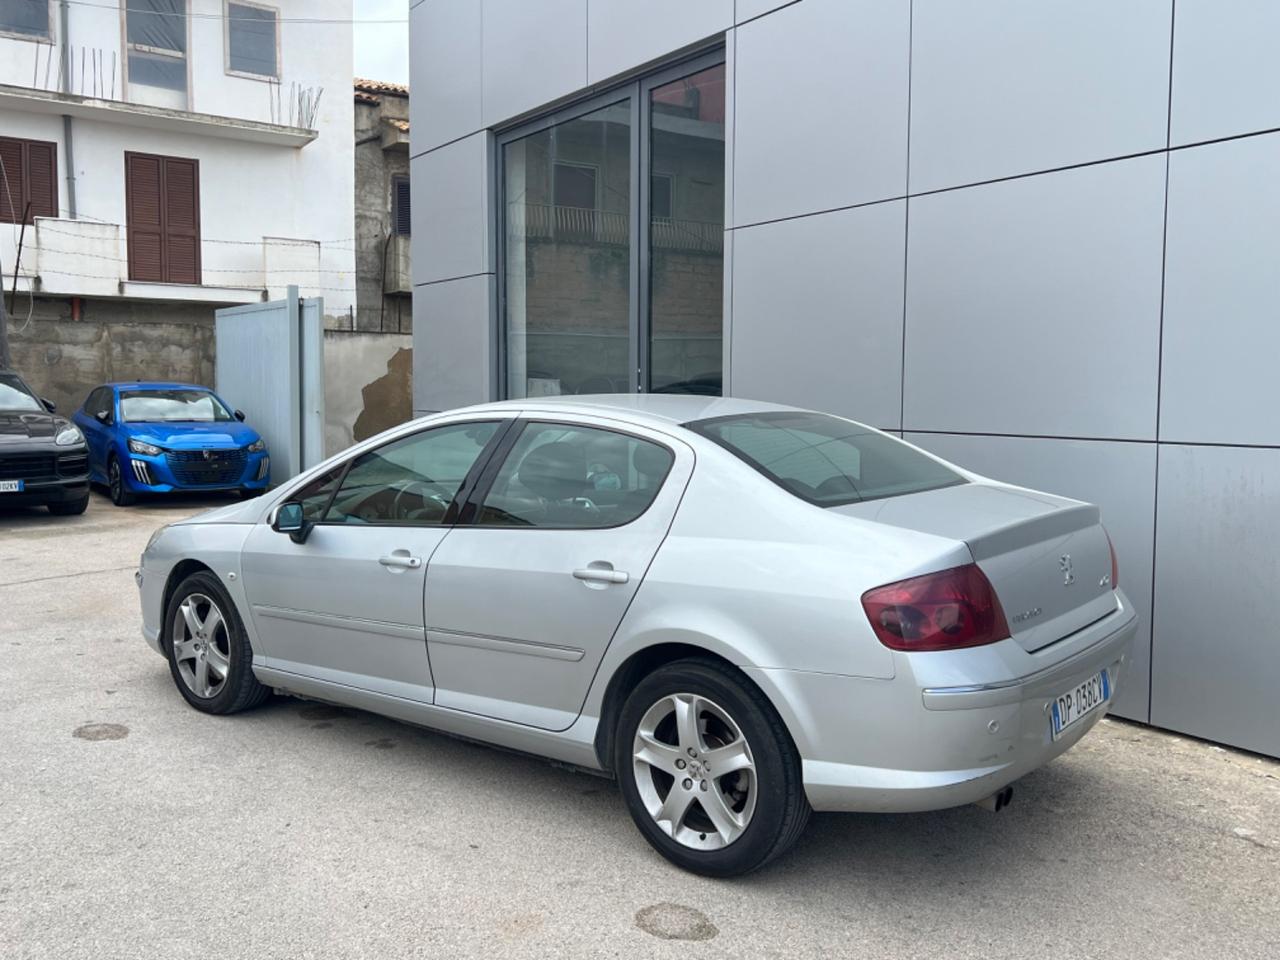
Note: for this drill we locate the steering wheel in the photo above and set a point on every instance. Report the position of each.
(425, 490)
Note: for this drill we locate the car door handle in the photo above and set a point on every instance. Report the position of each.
(601, 573)
(400, 559)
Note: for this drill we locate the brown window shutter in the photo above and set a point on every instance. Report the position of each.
(13, 182)
(42, 179)
(163, 231)
(182, 220)
(144, 230)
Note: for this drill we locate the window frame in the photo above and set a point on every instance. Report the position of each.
(146, 49)
(636, 92)
(397, 180)
(470, 514)
(47, 37)
(455, 507)
(226, 42)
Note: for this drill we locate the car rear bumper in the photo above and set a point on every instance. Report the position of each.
(902, 745)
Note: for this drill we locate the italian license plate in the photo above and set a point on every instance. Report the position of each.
(10, 486)
(1080, 701)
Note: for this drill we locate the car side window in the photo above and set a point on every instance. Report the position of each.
(97, 401)
(315, 496)
(562, 476)
(410, 481)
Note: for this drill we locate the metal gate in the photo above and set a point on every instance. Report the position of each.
(270, 364)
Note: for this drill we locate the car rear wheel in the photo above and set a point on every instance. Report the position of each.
(209, 653)
(69, 508)
(708, 770)
(120, 494)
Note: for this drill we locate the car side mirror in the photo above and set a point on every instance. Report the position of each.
(49, 405)
(102, 416)
(290, 519)
(239, 415)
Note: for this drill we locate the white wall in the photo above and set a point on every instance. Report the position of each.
(247, 190)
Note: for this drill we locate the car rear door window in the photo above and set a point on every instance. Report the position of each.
(410, 481)
(564, 476)
(826, 460)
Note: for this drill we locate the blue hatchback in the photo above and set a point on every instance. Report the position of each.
(161, 437)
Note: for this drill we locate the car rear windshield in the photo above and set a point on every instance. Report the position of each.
(825, 460)
(14, 395)
(160, 406)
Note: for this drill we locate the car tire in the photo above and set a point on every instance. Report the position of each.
(120, 494)
(724, 824)
(208, 649)
(69, 508)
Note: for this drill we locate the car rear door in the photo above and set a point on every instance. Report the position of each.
(345, 606)
(96, 433)
(523, 599)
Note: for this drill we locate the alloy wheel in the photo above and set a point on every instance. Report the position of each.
(694, 771)
(201, 645)
(115, 481)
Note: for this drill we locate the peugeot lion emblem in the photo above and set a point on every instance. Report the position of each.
(1068, 578)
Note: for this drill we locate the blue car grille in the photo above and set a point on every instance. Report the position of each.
(206, 467)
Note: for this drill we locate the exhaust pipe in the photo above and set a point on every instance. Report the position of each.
(997, 801)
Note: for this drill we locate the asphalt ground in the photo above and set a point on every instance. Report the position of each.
(133, 826)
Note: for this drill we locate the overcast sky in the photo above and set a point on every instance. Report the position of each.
(382, 49)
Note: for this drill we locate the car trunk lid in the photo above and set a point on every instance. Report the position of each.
(1047, 557)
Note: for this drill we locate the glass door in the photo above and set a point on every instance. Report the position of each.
(611, 241)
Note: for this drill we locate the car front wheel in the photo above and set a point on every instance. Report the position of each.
(120, 494)
(69, 508)
(209, 653)
(708, 770)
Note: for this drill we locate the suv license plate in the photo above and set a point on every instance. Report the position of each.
(1079, 702)
(10, 486)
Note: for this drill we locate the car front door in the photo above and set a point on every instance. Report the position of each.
(97, 434)
(524, 596)
(345, 605)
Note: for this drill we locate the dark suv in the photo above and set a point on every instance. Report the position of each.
(43, 457)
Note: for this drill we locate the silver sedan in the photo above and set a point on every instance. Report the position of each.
(742, 611)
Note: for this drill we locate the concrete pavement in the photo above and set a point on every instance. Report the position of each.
(299, 830)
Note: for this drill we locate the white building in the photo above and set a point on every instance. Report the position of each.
(176, 155)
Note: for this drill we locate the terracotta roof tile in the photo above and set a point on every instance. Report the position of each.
(362, 97)
(401, 125)
(381, 86)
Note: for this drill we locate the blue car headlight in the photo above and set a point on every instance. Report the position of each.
(144, 448)
(257, 446)
(68, 435)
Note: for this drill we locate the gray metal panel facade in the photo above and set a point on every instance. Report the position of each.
(1043, 332)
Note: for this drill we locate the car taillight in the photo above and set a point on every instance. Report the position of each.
(939, 611)
(1115, 567)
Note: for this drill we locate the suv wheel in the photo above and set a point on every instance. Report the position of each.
(708, 770)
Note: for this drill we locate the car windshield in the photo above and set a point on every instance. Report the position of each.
(162, 406)
(15, 396)
(826, 460)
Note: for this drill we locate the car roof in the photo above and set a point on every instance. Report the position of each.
(662, 409)
(155, 385)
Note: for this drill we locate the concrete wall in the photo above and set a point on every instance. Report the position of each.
(63, 358)
(376, 167)
(1038, 238)
(367, 388)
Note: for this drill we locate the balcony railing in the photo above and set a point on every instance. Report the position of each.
(546, 221)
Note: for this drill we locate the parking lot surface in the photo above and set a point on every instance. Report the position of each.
(133, 826)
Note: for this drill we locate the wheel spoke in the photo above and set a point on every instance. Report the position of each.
(687, 722)
(728, 759)
(657, 754)
(674, 807)
(202, 677)
(184, 650)
(212, 620)
(717, 808)
(219, 662)
(189, 614)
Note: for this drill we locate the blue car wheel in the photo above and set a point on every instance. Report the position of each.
(121, 496)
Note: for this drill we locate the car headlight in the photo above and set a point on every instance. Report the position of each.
(68, 435)
(144, 448)
(258, 446)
